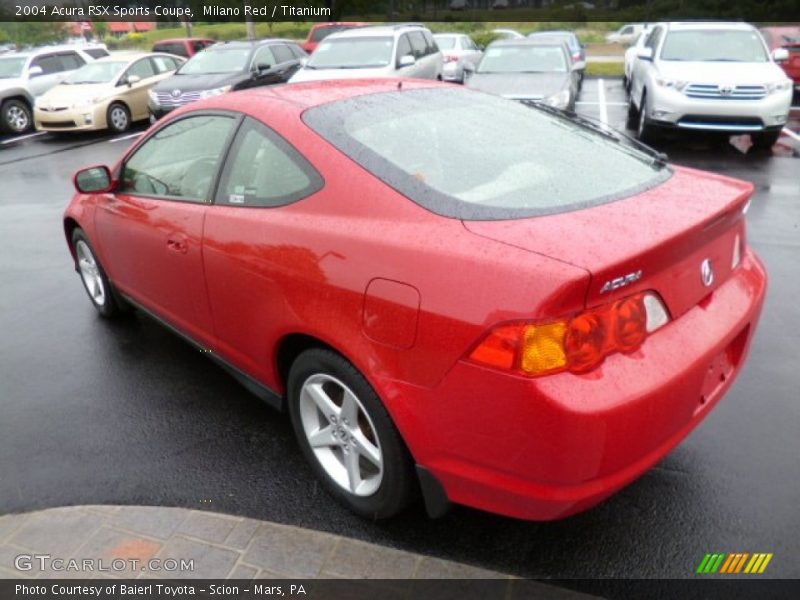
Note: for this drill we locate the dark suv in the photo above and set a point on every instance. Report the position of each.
(225, 67)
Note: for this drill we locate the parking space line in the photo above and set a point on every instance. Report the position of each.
(23, 137)
(596, 103)
(601, 98)
(126, 137)
(791, 134)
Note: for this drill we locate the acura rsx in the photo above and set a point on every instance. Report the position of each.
(450, 293)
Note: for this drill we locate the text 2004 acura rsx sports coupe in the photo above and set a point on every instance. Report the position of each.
(449, 292)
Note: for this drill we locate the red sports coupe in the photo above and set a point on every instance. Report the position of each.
(449, 292)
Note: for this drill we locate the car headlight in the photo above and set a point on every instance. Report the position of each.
(672, 83)
(559, 100)
(778, 86)
(215, 91)
(152, 95)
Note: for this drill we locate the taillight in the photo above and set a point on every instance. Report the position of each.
(450, 58)
(577, 344)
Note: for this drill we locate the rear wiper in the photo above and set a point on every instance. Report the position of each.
(659, 158)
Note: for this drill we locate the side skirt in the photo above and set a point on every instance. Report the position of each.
(255, 387)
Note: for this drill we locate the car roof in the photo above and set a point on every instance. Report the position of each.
(248, 43)
(129, 56)
(694, 25)
(316, 93)
(527, 42)
(376, 30)
(26, 52)
(178, 40)
(553, 32)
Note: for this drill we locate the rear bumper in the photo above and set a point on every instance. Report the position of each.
(547, 448)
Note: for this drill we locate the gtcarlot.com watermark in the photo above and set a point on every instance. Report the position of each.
(47, 562)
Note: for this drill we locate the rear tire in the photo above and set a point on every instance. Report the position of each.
(15, 117)
(102, 294)
(764, 141)
(347, 435)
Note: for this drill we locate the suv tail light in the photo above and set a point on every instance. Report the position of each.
(577, 344)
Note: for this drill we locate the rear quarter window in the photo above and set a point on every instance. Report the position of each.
(510, 161)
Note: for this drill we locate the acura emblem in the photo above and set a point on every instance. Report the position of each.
(707, 272)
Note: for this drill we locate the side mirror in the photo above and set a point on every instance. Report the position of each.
(94, 180)
(645, 54)
(780, 54)
(406, 61)
(35, 71)
(133, 79)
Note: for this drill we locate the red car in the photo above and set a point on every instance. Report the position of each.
(322, 30)
(787, 37)
(186, 47)
(415, 273)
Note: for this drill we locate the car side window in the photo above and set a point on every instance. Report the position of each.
(264, 58)
(264, 170)
(297, 51)
(50, 64)
(403, 46)
(71, 61)
(163, 64)
(627, 30)
(282, 53)
(180, 161)
(418, 45)
(430, 43)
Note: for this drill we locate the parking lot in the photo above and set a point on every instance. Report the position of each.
(126, 413)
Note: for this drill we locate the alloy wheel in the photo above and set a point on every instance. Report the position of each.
(341, 434)
(119, 118)
(17, 118)
(90, 273)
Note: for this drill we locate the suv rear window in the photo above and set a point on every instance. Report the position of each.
(521, 162)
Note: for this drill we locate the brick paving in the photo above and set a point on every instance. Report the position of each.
(221, 546)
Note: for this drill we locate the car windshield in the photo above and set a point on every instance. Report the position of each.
(520, 162)
(352, 53)
(223, 60)
(12, 66)
(445, 42)
(523, 59)
(714, 45)
(96, 72)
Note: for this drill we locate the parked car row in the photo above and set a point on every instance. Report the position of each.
(26, 74)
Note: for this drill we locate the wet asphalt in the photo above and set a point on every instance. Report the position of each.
(96, 412)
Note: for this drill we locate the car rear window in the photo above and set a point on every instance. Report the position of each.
(469, 155)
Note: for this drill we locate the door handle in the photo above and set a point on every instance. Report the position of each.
(177, 245)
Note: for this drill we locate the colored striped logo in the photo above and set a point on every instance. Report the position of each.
(738, 562)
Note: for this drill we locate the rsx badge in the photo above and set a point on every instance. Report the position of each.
(615, 284)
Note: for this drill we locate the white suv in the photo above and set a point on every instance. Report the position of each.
(709, 76)
(384, 51)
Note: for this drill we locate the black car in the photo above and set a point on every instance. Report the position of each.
(225, 67)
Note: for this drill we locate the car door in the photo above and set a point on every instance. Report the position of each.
(251, 245)
(473, 54)
(419, 49)
(286, 63)
(264, 68)
(643, 69)
(134, 94)
(150, 229)
(403, 49)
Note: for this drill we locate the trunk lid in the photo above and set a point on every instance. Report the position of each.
(666, 233)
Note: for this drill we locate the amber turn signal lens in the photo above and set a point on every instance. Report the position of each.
(543, 348)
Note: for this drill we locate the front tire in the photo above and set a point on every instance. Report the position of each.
(93, 277)
(16, 116)
(347, 435)
(645, 131)
(118, 118)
